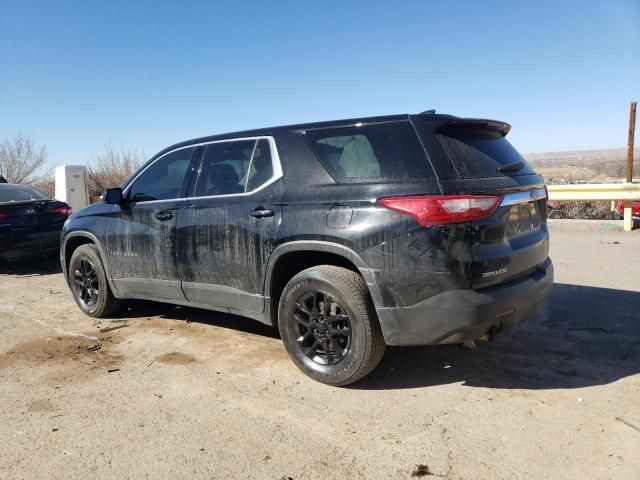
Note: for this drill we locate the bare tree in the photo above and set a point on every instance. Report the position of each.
(112, 167)
(46, 184)
(20, 159)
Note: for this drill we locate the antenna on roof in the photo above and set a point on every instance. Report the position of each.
(428, 112)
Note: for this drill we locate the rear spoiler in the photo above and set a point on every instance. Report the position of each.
(495, 125)
(11, 203)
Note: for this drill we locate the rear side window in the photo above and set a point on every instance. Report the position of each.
(225, 166)
(370, 153)
(478, 152)
(235, 166)
(261, 169)
(20, 194)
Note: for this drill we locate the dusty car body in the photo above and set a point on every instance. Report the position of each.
(346, 235)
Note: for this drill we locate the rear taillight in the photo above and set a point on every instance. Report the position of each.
(65, 210)
(442, 209)
(3, 215)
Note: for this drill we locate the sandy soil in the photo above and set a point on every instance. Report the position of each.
(184, 393)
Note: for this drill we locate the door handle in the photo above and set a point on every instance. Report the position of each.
(163, 216)
(261, 213)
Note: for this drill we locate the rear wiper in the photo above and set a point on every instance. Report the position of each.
(511, 167)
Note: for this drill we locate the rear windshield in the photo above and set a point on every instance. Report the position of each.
(371, 153)
(20, 193)
(478, 152)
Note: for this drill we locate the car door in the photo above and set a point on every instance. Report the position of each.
(141, 233)
(229, 226)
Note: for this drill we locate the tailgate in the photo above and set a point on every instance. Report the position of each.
(474, 157)
(18, 215)
(17, 223)
(514, 242)
(30, 224)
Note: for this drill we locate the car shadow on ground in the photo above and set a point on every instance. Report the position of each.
(586, 336)
(32, 266)
(142, 308)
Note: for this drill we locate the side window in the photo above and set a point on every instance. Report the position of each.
(261, 166)
(387, 152)
(351, 155)
(225, 166)
(162, 180)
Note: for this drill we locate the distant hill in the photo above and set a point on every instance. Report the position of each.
(607, 165)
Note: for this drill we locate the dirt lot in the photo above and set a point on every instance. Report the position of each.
(182, 393)
(601, 165)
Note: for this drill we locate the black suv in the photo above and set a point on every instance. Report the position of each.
(347, 235)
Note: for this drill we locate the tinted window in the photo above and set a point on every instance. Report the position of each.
(478, 152)
(224, 168)
(261, 166)
(162, 180)
(20, 194)
(386, 152)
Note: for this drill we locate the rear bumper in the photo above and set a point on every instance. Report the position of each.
(17, 245)
(460, 315)
(21, 253)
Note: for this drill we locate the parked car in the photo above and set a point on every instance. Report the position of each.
(346, 235)
(30, 222)
(635, 209)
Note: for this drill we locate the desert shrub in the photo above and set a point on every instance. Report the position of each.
(112, 168)
(46, 185)
(583, 210)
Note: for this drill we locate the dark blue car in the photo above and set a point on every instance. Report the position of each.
(30, 222)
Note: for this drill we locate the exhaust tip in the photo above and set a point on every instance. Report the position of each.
(493, 331)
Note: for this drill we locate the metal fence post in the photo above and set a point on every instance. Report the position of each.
(628, 220)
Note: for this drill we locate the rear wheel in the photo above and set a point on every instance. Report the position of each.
(88, 281)
(328, 325)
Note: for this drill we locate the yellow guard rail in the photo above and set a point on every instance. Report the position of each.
(628, 192)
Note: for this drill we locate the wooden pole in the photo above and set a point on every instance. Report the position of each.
(632, 128)
(628, 220)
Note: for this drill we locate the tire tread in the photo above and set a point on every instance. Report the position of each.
(354, 285)
(107, 303)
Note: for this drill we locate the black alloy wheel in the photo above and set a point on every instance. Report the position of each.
(329, 326)
(89, 284)
(86, 282)
(324, 328)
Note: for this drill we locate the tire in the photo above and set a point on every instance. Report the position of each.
(95, 297)
(347, 350)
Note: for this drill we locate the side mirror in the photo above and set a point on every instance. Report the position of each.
(113, 196)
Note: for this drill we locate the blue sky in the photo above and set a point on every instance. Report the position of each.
(147, 74)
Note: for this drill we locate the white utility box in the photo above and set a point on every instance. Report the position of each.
(71, 185)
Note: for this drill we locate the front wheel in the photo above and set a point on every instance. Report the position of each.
(88, 282)
(328, 325)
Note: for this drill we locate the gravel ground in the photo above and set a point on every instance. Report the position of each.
(169, 392)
